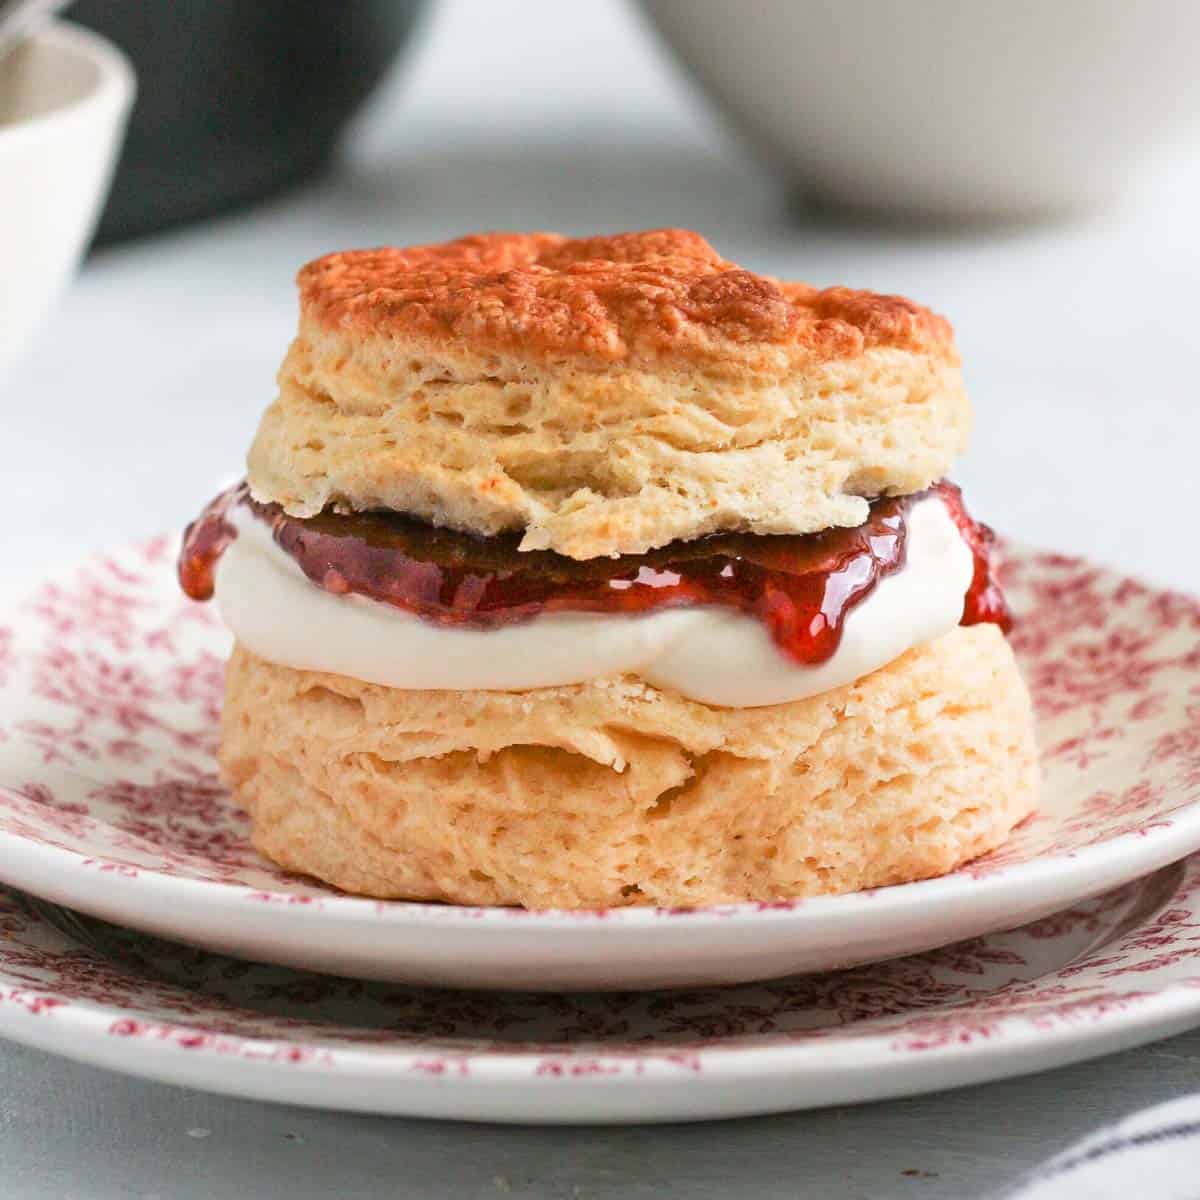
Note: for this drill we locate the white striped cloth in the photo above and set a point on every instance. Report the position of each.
(1153, 1154)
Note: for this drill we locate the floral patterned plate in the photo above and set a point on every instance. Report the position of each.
(1106, 974)
(109, 690)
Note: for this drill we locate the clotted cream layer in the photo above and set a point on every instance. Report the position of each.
(708, 653)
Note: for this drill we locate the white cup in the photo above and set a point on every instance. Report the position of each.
(959, 109)
(64, 98)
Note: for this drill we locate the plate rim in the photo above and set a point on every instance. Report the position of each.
(83, 1029)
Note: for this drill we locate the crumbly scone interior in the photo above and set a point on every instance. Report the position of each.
(590, 463)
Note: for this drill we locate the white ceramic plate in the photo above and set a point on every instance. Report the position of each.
(1106, 974)
(109, 690)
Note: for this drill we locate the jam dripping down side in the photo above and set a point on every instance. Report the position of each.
(984, 603)
(205, 540)
(801, 587)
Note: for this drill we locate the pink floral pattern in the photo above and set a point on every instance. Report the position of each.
(1087, 965)
(109, 695)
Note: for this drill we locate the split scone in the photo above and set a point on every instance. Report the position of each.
(586, 572)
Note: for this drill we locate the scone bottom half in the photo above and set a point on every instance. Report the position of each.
(587, 447)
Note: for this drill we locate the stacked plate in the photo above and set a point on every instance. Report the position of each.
(140, 930)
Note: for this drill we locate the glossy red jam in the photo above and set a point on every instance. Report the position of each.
(205, 540)
(800, 587)
(984, 603)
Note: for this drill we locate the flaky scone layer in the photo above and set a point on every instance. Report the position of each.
(603, 395)
(614, 793)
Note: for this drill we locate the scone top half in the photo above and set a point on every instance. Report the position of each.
(602, 396)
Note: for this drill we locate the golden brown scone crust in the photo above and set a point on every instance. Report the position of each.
(614, 793)
(605, 395)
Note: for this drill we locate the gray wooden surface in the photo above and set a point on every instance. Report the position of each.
(1080, 350)
(69, 1131)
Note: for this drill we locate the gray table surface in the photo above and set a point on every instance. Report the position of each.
(69, 1131)
(1079, 343)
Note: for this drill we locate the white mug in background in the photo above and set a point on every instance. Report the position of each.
(949, 109)
(64, 99)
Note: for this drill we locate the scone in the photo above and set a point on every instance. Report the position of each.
(589, 572)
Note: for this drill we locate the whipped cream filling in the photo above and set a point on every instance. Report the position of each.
(708, 653)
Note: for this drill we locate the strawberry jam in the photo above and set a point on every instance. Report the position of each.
(984, 603)
(205, 540)
(801, 587)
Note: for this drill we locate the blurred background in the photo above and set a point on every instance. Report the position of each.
(1030, 170)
